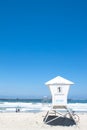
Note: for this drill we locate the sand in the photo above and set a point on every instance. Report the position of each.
(34, 121)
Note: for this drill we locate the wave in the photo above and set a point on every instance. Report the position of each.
(36, 107)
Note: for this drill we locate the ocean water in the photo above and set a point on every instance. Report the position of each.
(37, 105)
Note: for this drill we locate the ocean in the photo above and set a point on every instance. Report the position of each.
(37, 105)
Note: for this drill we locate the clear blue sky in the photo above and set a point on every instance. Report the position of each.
(39, 40)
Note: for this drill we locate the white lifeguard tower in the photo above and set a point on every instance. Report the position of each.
(59, 88)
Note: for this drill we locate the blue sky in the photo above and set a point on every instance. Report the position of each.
(40, 40)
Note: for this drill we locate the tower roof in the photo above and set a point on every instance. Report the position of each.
(59, 80)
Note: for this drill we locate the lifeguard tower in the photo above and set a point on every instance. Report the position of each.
(59, 88)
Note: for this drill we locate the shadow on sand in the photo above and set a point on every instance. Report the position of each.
(61, 121)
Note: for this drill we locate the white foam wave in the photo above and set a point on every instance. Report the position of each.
(24, 107)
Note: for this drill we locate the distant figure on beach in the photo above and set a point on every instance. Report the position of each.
(17, 110)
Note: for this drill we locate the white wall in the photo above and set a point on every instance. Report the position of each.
(59, 94)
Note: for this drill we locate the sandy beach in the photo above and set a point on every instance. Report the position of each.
(34, 121)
